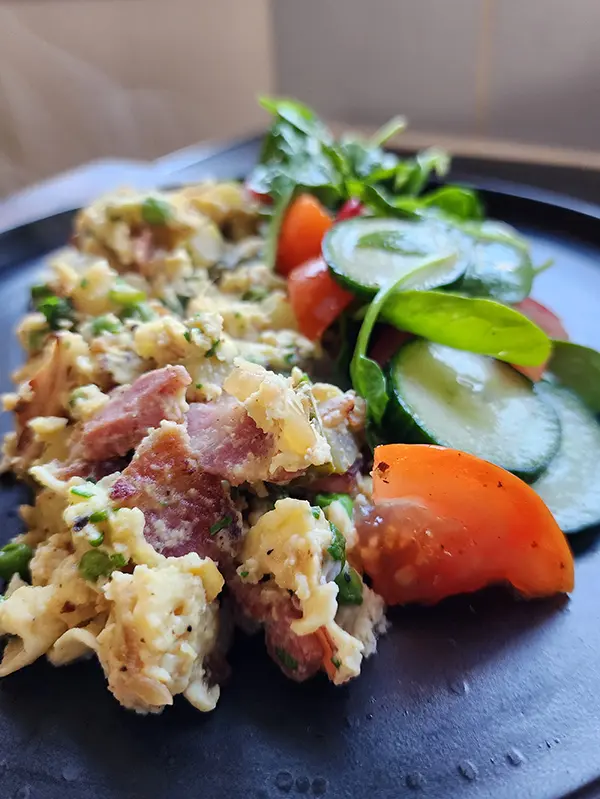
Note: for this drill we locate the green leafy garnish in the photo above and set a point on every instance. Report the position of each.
(156, 211)
(99, 516)
(337, 549)
(56, 309)
(82, 491)
(286, 660)
(578, 368)
(125, 294)
(188, 336)
(106, 324)
(14, 559)
(244, 574)
(468, 323)
(213, 349)
(324, 500)
(316, 512)
(336, 662)
(350, 587)
(139, 310)
(97, 563)
(220, 525)
(255, 294)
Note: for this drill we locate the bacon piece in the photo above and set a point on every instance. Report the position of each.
(133, 410)
(185, 508)
(90, 470)
(298, 656)
(228, 442)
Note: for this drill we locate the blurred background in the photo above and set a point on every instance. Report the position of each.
(136, 79)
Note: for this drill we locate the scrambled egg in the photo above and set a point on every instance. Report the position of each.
(156, 279)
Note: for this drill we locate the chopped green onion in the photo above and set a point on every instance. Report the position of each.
(220, 525)
(82, 491)
(324, 500)
(105, 324)
(255, 294)
(286, 660)
(316, 512)
(14, 559)
(140, 310)
(97, 540)
(97, 563)
(125, 294)
(244, 574)
(155, 211)
(350, 587)
(99, 516)
(337, 550)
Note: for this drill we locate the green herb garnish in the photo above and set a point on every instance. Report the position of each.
(286, 660)
(255, 294)
(244, 574)
(325, 500)
(350, 587)
(14, 559)
(188, 336)
(57, 310)
(155, 211)
(125, 294)
(98, 563)
(337, 549)
(82, 491)
(220, 525)
(99, 516)
(106, 324)
(336, 662)
(212, 351)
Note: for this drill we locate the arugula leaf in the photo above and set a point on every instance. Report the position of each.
(468, 323)
(395, 125)
(578, 368)
(414, 179)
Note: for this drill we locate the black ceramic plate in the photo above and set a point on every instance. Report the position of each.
(481, 697)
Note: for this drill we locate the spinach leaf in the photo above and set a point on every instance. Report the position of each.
(578, 368)
(467, 323)
(367, 376)
(411, 178)
(455, 201)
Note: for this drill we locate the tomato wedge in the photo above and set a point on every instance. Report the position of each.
(317, 300)
(550, 324)
(302, 231)
(447, 523)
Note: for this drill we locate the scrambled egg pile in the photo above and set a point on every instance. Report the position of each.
(151, 281)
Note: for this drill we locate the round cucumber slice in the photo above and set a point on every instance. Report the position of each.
(472, 403)
(571, 485)
(365, 254)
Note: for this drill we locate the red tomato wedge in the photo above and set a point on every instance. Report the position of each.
(447, 523)
(317, 300)
(351, 208)
(302, 231)
(550, 324)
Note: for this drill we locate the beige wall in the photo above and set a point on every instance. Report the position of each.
(527, 70)
(81, 79)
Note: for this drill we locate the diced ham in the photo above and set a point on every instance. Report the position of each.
(228, 442)
(133, 410)
(185, 508)
(298, 656)
(90, 470)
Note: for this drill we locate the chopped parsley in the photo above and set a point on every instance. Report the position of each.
(286, 660)
(84, 283)
(155, 211)
(303, 380)
(337, 550)
(220, 525)
(188, 336)
(290, 358)
(57, 310)
(316, 512)
(336, 662)
(244, 574)
(82, 491)
(212, 351)
(198, 386)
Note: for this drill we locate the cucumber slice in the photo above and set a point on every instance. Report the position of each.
(472, 403)
(365, 254)
(571, 485)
